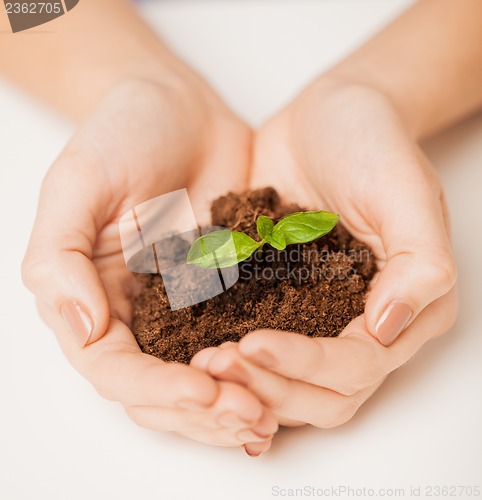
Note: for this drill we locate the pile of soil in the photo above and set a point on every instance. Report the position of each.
(314, 289)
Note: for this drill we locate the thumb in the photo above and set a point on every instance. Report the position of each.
(419, 265)
(57, 266)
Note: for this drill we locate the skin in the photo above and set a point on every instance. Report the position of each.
(324, 381)
(88, 264)
(331, 152)
(347, 143)
(106, 169)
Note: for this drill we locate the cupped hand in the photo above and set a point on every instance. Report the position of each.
(144, 139)
(342, 147)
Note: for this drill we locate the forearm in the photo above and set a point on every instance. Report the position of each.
(428, 62)
(82, 54)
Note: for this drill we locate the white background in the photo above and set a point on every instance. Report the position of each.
(60, 440)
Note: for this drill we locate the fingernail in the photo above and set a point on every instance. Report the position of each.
(251, 453)
(263, 358)
(248, 436)
(231, 419)
(78, 320)
(185, 404)
(392, 322)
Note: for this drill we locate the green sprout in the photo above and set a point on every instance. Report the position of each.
(226, 248)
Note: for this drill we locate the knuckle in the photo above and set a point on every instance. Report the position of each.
(368, 375)
(449, 311)
(343, 414)
(134, 415)
(224, 358)
(353, 387)
(35, 270)
(452, 309)
(104, 392)
(102, 371)
(29, 269)
(374, 365)
(444, 272)
(180, 379)
(371, 373)
(275, 400)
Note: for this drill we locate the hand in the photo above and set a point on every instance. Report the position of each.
(343, 148)
(144, 139)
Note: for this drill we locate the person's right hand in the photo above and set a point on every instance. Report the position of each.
(144, 139)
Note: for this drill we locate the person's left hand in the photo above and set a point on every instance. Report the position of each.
(343, 148)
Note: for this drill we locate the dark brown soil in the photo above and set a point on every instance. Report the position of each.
(315, 289)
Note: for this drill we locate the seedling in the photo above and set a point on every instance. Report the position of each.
(226, 248)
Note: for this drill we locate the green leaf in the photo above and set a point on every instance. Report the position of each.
(221, 249)
(264, 226)
(277, 240)
(303, 227)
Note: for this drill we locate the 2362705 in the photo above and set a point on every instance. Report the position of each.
(33, 8)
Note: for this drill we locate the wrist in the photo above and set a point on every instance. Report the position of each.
(97, 81)
(394, 90)
(335, 93)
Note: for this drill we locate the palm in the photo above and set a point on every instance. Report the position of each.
(153, 165)
(277, 164)
(332, 160)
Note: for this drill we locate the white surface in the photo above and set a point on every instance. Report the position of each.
(60, 440)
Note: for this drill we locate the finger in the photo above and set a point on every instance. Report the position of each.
(345, 365)
(119, 371)
(214, 438)
(260, 434)
(230, 433)
(264, 426)
(419, 265)
(57, 267)
(222, 415)
(354, 360)
(159, 419)
(291, 399)
(256, 449)
(201, 359)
